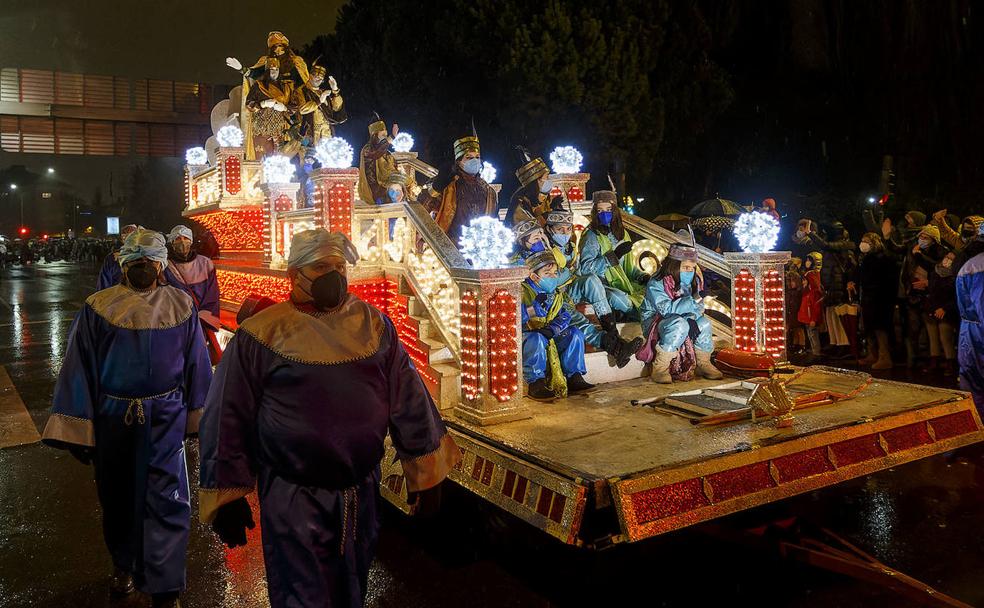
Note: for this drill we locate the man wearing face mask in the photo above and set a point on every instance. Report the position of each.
(302, 400)
(131, 388)
(195, 275)
(376, 163)
(460, 195)
(920, 260)
(553, 347)
(585, 288)
(604, 252)
(110, 274)
(535, 187)
(957, 240)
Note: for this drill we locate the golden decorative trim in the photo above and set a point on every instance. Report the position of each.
(423, 472)
(163, 307)
(210, 499)
(69, 429)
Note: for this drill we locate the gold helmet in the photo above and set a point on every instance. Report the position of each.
(274, 38)
(466, 144)
(532, 171)
(318, 70)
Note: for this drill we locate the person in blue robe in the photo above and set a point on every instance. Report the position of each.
(302, 400)
(131, 388)
(970, 345)
(110, 273)
(553, 346)
(678, 335)
(604, 252)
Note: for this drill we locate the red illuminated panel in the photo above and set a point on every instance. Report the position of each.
(503, 353)
(471, 386)
(744, 312)
(233, 175)
(575, 194)
(235, 231)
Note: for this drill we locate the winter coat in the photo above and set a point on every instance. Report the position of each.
(811, 306)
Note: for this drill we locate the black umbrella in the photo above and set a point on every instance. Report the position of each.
(715, 206)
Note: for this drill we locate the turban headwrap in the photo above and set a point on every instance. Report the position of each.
(144, 244)
(309, 246)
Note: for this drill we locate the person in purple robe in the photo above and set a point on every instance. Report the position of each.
(303, 398)
(131, 388)
(110, 273)
(192, 273)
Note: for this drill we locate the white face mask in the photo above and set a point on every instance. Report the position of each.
(864, 247)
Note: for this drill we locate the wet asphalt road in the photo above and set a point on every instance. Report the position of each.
(922, 518)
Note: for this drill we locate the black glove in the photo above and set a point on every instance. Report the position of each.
(426, 502)
(546, 331)
(612, 258)
(82, 453)
(694, 329)
(623, 248)
(231, 522)
(541, 299)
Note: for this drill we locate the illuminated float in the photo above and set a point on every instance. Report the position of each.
(590, 470)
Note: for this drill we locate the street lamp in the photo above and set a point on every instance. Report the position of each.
(51, 170)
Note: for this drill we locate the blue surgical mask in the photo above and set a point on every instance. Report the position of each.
(562, 239)
(604, 218)
(686, 278)
(537, 246)
(392, 195)
(548, 284)
(472, 166)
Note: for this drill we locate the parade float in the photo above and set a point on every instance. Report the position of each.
(590, 470)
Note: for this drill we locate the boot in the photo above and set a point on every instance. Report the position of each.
(884, 353)
(705, 368)
(121, 583)
(577, 384)
(538, 391)
(661, 365)
(620, 350)
(607, 323)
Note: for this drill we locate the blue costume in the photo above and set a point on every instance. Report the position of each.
(195, 277)
(299, 409)
(563, 352)
(623, 291)
(673, 311)
(970, 353)
(132, 386)
(110, 274)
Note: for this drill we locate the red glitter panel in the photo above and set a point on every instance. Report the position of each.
(803, 464)
(557, 509)
(283, 203)
(239, 230)
(520, 494)
(503, 354)
(470, 386)
(339, 209)
(744, 312)
(856, 450)
(953, 425)
(740, 481)
(477, 468)
(509, 484)
(906, 437)
(233, 175)
(664, 501)
(543, 503)
(487, 473)
(237, 286)
(575, 194)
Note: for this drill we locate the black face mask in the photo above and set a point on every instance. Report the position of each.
(141, 276)
(328, 290)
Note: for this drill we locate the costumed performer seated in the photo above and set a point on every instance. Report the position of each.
(605, 252)
(553, 347)
(678, 335)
